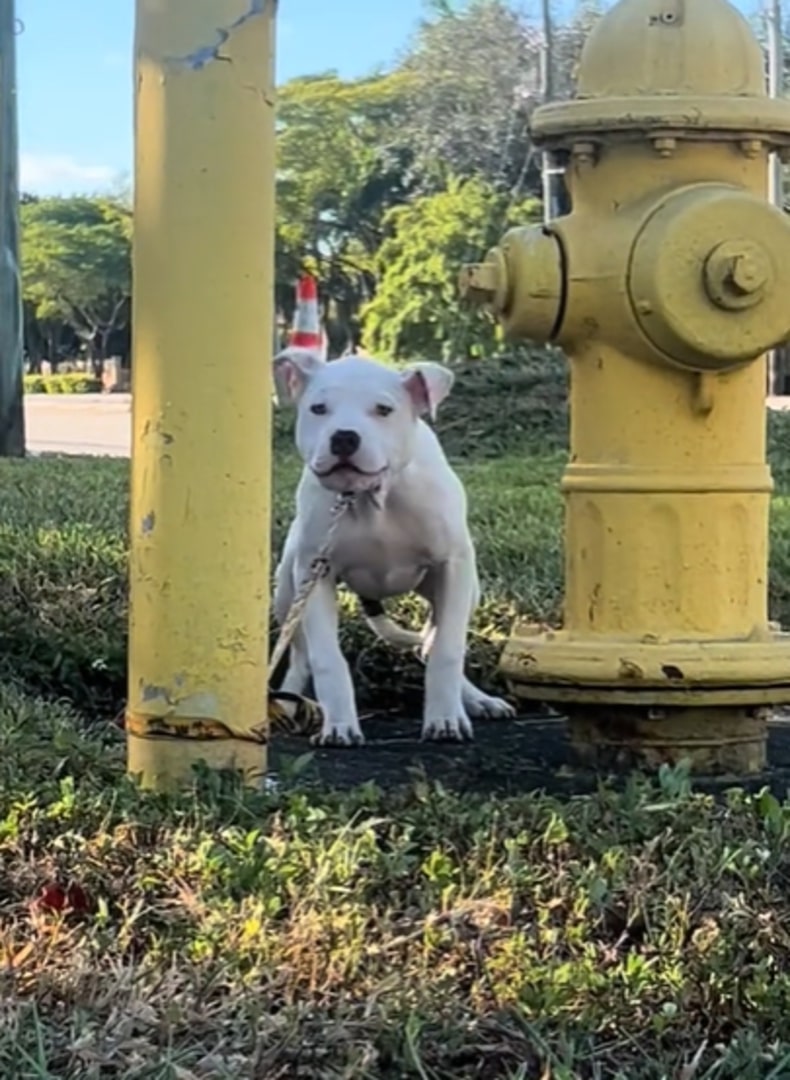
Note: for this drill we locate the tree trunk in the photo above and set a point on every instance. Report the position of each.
(106, 332)
(33, 343)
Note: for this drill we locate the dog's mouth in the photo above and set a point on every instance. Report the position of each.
(349, 479)
(348, 467)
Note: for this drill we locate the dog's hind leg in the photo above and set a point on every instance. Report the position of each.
(476, 703)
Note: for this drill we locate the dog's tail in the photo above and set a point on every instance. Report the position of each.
(388, 630)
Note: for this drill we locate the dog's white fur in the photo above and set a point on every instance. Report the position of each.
(407, 531)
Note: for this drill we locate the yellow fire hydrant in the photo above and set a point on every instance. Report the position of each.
(665, 286)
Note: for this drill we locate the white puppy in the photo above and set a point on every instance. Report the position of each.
(359, 429)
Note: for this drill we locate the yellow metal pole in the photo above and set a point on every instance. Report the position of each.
(203, 331)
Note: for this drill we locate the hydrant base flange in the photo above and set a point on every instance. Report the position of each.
(553, 666)
(712, 740)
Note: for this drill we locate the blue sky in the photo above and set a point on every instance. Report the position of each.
(74, 60)
(75, 87)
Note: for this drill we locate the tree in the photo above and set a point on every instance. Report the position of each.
(456, 107)
(76, 269)
(568, 42)
(473, 80)
(340, 166)
(416, 309)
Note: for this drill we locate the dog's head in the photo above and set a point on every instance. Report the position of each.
(356, 419)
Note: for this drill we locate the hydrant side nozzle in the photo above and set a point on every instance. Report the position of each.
(521, 283)
(485, 284)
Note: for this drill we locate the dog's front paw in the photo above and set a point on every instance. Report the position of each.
(452, 726)
(482, 706)
(335, 733)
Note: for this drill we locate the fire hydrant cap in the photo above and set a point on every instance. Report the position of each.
(684, 66)
(671, 47)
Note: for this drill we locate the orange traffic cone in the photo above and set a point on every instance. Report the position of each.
(306, 332)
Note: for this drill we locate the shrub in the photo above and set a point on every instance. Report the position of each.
(71, 382)
(34, 384)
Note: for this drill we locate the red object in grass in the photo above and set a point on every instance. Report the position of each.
(54, 899)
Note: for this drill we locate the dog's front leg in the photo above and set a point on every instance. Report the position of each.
(331, 676)
(445, 717)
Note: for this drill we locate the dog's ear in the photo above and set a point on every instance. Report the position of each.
(292, 369)
(428, 385)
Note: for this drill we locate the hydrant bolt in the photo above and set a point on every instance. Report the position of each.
(664, 145)
(746, 275)
(583, 153)
(736, 274)
(751, 148)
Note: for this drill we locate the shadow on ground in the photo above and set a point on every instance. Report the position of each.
(531, 753)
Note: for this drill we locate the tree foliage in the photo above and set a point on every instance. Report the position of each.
(415, 311)
(340, 167)
(356, 160)
(474, 80)
(76, 266)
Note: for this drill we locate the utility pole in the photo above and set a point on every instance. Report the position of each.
(773, 21)
(12, 417)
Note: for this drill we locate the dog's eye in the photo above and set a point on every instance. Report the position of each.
(319, 409)
(383, 410)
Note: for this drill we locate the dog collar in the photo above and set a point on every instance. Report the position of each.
(372, 495)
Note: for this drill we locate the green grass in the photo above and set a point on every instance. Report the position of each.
(415, 933)
(63, 602)
(638, 933)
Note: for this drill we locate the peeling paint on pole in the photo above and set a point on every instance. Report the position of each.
(207, 54)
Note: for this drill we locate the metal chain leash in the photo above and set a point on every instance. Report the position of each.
(319, 568)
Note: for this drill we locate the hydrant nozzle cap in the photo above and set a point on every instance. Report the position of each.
(710, 304)
(486, 284)
(521, 282)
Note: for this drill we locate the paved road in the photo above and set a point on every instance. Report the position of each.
(94, 424)
(100, 424)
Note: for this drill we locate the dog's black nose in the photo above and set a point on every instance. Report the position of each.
(344, 443)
